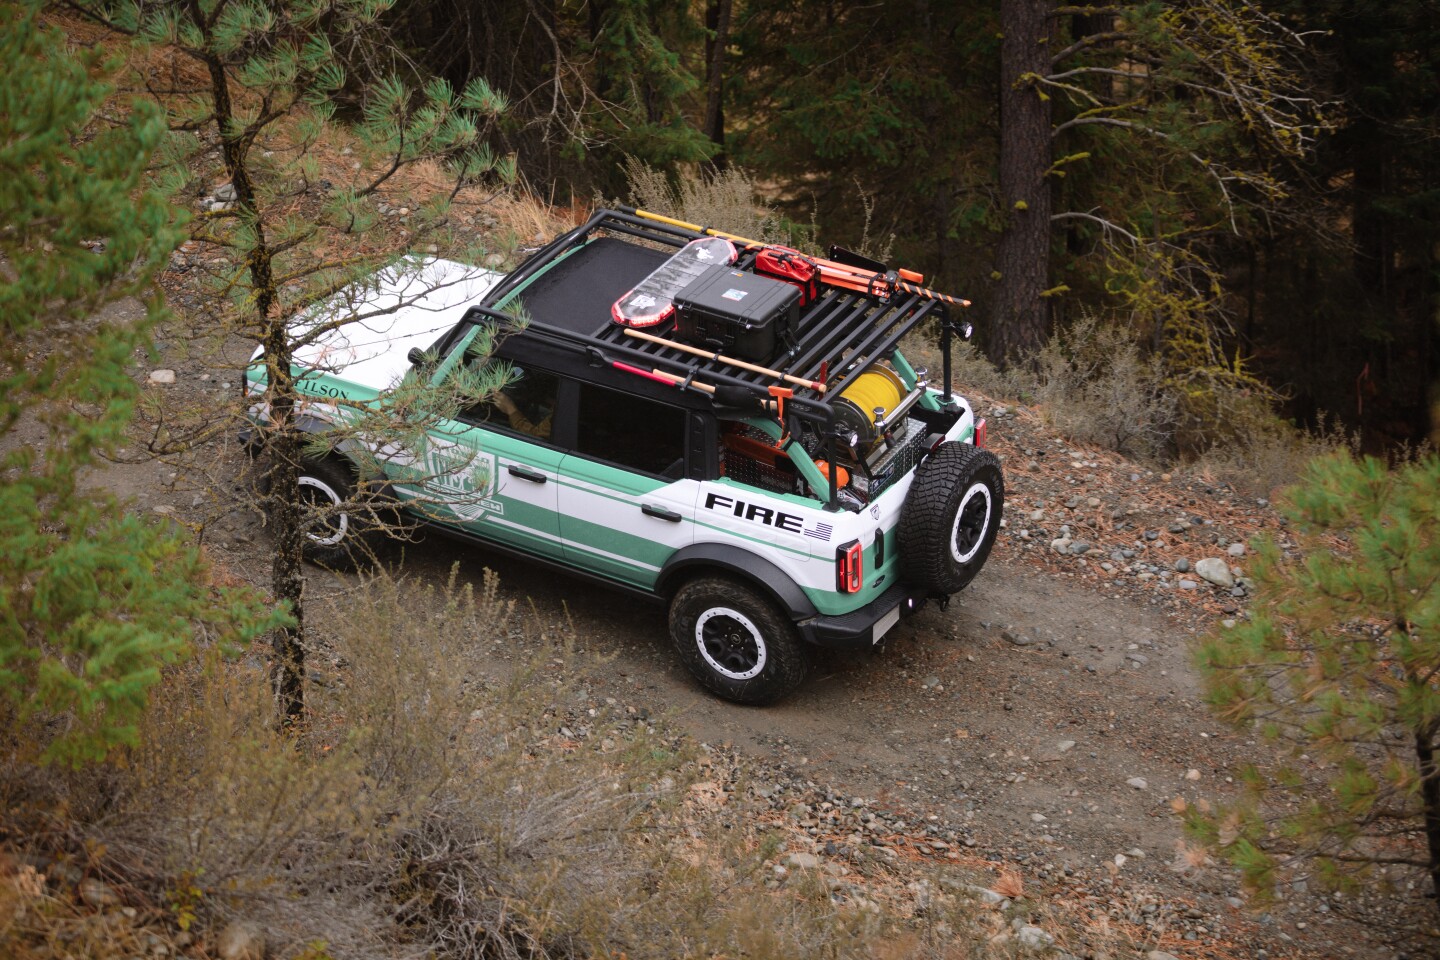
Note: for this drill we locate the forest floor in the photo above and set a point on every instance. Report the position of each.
(1037, 738)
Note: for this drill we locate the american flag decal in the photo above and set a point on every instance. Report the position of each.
(821, 531)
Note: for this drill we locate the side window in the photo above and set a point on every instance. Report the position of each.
(526, 405)
(631, 432)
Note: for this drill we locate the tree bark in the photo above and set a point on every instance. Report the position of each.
(717, 22)
(1430, 799)
(1022, 258)
(283, 442)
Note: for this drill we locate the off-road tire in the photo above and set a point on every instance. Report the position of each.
(735, 641)
(343, 530)
(951, 517)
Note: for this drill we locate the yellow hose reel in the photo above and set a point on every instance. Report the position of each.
(877, 387)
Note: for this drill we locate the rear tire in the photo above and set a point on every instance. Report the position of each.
(735, 641)
(951, 517)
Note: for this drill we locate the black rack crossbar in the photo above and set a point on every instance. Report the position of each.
(681, 365)
(884, 339)
(833, 327)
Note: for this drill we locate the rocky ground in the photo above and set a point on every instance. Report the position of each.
(1029, 746)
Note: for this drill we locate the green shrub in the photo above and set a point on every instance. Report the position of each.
(1339, 662)
(93, 602)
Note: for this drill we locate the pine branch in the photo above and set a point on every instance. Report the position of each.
(1086, 42)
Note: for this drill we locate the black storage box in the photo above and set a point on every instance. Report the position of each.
(739, 313)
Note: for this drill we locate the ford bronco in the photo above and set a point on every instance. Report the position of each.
(723, 426)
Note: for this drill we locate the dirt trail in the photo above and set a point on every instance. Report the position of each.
(1023, 718)
(949, 713)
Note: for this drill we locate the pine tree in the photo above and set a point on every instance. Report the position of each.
(644, 83)
(94, 601)
(277, 77)
(1340, 660)
(1172, 125)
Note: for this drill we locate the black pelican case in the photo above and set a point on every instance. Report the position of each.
(731, 311)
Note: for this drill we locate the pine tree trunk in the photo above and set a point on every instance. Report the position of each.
(1430, 799)
(285, 448)
(717, 21)
(283, 441)
(1022, 258)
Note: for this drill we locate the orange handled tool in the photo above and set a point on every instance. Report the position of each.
(832, 272)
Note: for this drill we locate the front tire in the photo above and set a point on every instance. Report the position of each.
(341, 528)
(735, 641)
(951, 517)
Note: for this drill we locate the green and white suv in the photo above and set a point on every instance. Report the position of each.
(774, 519)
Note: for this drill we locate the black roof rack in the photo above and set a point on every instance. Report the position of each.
(840, 335)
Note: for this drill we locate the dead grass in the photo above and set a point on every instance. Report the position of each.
(725, 200)
(1265, 453)
(1092, 385)
(437, 805)
(1095, 387)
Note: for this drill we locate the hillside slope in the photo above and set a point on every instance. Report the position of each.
(1033, 740)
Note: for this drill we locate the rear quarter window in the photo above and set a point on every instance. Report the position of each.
(633, 432)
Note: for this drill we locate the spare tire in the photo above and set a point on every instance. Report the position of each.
(951, 517)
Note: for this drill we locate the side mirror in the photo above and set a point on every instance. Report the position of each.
(416, 356)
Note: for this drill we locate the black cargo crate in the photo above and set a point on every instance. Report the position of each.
(735, 312)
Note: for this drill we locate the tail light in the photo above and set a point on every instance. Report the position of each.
(981, 432)
(850, 567)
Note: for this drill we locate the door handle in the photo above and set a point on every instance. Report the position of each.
(524, 473)
(660, 513)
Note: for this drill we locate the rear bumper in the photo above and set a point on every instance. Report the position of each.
(864, 627)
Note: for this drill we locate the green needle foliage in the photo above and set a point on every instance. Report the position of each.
(290, 106)
(1340, 660)
(93, 601)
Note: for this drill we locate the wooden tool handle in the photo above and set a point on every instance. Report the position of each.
(675, 380)
(731, 361)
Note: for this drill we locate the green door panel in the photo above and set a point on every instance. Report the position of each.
(489, 483)
(606, 525)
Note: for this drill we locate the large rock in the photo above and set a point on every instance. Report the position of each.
(1217, 571)
(1033, 938)
(241, 940)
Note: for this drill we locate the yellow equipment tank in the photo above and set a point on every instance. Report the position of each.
(877, 387)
